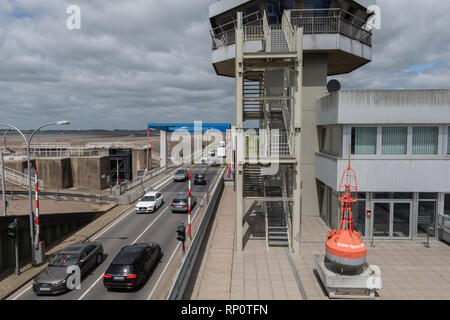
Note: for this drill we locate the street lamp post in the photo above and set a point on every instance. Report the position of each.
(28, 142)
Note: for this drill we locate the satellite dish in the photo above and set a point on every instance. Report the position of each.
(333, 86)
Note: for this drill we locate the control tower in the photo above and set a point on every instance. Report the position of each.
(280, 54)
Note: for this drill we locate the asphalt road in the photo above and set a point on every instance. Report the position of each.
(159, 227)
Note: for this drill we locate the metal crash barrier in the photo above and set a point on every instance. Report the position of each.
(183, 274)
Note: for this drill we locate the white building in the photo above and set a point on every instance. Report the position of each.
(400, 148)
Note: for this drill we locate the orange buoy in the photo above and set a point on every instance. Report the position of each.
(345, 247)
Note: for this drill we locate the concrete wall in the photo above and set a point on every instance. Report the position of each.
(55, 172)
(139, 160)
(53, 228)
(91, 173)
(314, 87)
(18, 165)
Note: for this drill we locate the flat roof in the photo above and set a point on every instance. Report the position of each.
(420, 106)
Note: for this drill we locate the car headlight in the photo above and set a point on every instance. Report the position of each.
(60, 282)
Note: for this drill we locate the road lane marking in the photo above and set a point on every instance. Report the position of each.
(150, 225)
(23, 292)
(132, 210)
(164, 270)
(113, 224)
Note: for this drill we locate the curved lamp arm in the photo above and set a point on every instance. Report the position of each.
(14, 128)
(45, 125)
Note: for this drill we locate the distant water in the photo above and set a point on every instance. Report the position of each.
(78, 134)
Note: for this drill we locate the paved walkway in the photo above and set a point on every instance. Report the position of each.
(409, 270)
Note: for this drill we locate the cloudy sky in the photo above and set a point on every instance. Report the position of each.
(140, 61)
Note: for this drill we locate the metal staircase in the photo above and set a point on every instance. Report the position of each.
(277, 227)
(253, 89)
(278, 42)
(253, 180)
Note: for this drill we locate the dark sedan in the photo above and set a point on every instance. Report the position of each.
(180, 203)
(53, 279)
(132, 265)
(200, 178)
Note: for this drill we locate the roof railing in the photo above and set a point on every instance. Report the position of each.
(313, 21)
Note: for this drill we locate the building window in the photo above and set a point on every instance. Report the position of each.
(425, 140)
(323, 202)
(426, 216)
(447, 204)
(335, 213)
(359, 217)
(364, 140)
(394, 141)
(330, 140)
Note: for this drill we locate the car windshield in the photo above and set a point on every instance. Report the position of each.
(119, 269)
(199, 176)
(64, 260)
(179, 200)
(180, 172)
(148, 198)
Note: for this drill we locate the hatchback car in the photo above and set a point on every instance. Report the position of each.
(132, 265)
(200, 178)
(53, 279)
(181, 175)
(180, 202)
(150, 202)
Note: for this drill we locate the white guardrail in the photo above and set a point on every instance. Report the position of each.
(183, 274)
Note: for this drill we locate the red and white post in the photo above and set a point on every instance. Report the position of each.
(36, 190)
(189, 208)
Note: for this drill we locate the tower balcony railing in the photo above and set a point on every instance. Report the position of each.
(225, 35)
(313, 21)
(320, 21)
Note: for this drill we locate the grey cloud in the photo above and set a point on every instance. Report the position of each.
(143, 61)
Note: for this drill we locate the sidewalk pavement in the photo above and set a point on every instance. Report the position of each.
(409, 270)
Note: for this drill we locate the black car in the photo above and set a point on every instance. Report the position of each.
(53, 278)
(132, 265)
(200, 178)
(180, 202)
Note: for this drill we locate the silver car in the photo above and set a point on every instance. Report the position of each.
(181, 175)
(180, 203)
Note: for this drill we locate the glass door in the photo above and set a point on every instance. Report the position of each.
(401, 222)
(392, 219)
(381, 219)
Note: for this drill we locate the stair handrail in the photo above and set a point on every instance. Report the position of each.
(20, 179)
(287, 209)
(266, 219)
(288, 30)
(266, 30)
